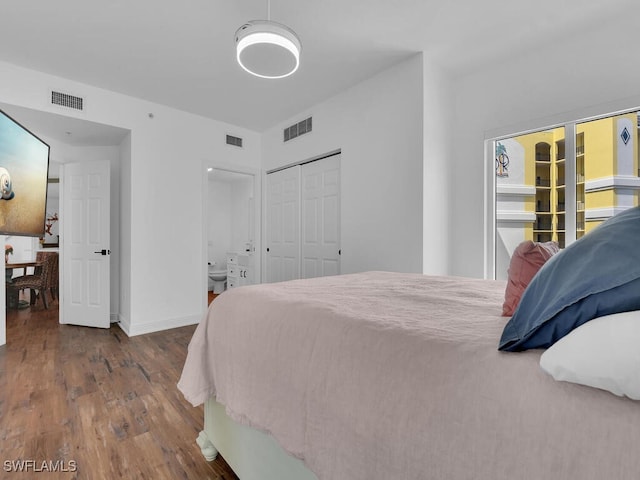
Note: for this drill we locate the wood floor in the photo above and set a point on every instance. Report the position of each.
(212, 296)
(98, 402)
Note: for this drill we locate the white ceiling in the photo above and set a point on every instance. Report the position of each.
(72, 131)
(182, 53)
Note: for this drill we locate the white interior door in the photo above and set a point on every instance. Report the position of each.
(283, 225)
(85, 289)
(320, 242)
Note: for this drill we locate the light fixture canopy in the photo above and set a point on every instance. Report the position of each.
(267, 49)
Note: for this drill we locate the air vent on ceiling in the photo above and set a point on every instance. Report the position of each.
(298, 129)
(235, 141)
(68, 101)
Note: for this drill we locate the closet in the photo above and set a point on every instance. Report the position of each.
(303, 221)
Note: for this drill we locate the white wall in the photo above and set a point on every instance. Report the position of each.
(162, 198)
(125, 228)
(437, 170)
(228, 217)
(378, 125)
(584, 75)
(241, 195)
(3, 299)
(167, 207)
(53, 208)
(219, 225)
(24, 249)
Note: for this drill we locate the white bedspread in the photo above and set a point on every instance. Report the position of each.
(397, 376)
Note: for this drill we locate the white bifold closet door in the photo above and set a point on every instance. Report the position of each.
(320, 232)
(303, 221)
(283, 225)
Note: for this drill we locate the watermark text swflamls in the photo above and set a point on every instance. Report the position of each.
(40, 466)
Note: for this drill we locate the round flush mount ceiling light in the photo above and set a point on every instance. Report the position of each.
(267, 49)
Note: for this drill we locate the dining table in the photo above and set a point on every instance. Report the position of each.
(23, 265)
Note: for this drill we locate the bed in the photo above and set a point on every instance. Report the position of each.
(382, 375)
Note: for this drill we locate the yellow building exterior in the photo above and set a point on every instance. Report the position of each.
(606, 162)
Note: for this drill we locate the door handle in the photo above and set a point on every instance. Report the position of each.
(104, 252)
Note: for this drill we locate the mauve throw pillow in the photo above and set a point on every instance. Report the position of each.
(527, 259)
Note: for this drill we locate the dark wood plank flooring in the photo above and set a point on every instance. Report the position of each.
(99, 400)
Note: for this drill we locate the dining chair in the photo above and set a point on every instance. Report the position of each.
(52, 281)
(39, 282)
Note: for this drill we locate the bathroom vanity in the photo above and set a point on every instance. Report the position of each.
(239, 269)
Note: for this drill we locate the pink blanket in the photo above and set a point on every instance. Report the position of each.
(397, 376)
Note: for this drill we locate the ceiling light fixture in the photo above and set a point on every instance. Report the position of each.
(267, 49)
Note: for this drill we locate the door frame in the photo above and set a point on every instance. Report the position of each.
(257, 228)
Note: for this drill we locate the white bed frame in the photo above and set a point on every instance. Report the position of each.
(253, 455)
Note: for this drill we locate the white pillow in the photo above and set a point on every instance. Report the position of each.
(602, 353)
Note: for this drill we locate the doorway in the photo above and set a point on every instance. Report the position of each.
(231, 222)
(72, 139)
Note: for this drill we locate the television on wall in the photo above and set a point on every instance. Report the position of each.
(24, 168)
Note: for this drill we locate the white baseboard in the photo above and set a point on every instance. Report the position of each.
(157, 326)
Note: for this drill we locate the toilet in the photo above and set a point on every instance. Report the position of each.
(217, 278)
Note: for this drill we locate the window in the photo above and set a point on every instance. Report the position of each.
(560, 183)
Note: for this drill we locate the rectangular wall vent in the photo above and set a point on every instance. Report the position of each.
(235, 141)
(298, 129)
(69, 101)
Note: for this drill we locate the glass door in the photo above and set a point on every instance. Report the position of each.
(606, 169)
(559, 184)
(530, 192)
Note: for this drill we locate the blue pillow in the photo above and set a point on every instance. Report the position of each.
(597, 275)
